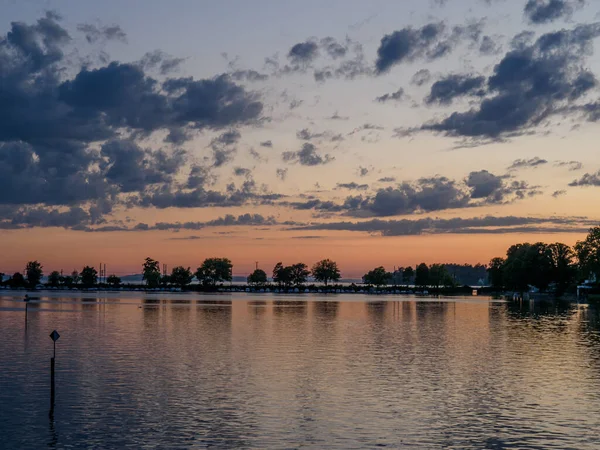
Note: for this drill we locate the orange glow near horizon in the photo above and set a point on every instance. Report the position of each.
(355, 253)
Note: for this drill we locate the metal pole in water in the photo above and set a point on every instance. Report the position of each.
(54, 336)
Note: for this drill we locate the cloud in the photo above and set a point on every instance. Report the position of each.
(248, 75)
(94, 33)
(429, 42)
(475, 225)
(242, 172)
(281, 174)
(223, 147)
(589, 179)
(303, 52)
(387, 180)
(353, 186)
(492, 189)
(545, 11)
(394, 96)
(489, 46)
(444, 91)
(560, 193)
(266, 144)
(160, 60)
(524, 163)
(529, 85)
(572, 165)
(421, 77)
(307, 156)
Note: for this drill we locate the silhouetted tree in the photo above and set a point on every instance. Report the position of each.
(214, 270)
(439, 276)
(282, 275)
(496, 273)
(151, 272)
(165, 280)
(34, 273)
(89, 276)
(258, 277)
(1, 277)
(75, 277)
(588, 254)
(114, 280)
(181, 276)
(422, 275)
(299, 273)
(68, 281)
(378, 277)
(17, 280)
(325, 271)
(54, 278)
(564, 270)
(407, 275)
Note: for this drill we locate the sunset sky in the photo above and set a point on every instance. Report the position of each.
(370, 132)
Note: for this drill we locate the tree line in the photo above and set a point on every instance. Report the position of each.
(554, 267)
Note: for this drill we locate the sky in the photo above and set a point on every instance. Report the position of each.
(373, 133)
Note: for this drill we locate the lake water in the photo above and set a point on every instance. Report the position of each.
(266, 371)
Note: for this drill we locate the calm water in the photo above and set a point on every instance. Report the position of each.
(250, 371)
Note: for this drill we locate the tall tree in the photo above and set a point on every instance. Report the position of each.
(439, 276)
(564, 269)
(299, 273)
(17, 280)
(282, 275)
(54, 278)
(114, 280)
(75, 277)
(258, 277)
(588, 254)
(1, 277)
(34, 273)
(496, 273)
(325, 271)
(181, 276)
(214, 270)
(151, 272)
(378, 276)
(407, 275)
(422, 275)
(89, 276)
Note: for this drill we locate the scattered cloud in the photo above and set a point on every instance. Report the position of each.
(545, 11)
(444, 91)
(589, 179)
(394, 96)
(525, 163)
(307, 156)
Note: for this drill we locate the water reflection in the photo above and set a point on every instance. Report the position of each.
(281, 372)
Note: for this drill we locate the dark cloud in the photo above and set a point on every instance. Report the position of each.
(242, 172)
(387, 180)
(353, 186)
(307, 156)
(560, 193)
(303, 53)
(266, 144)
(475, 225)
(394, 96)
(161, 61)
(488, 188)
(429, 42)
(132, 168)
(489, 46)
(545, 11)
(94, 33)
(529, 85)
(363, 171)
(444, 91)
(524, 163)
(334, 48)
(421, 77)
(223, 147)
(589, 179)
(306, 135)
